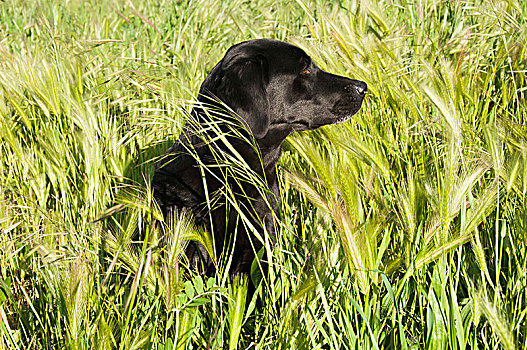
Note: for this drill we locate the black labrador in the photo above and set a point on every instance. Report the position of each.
(274, 89)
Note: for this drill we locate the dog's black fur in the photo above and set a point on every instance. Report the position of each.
(275, 89)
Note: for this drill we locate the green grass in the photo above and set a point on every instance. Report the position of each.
(404, 228)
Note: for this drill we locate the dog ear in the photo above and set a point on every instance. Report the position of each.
(243, 88)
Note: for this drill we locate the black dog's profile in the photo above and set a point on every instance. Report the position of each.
(275, 89)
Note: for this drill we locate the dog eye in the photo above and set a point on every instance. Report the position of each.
(306, 71)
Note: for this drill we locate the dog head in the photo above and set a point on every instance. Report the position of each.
(275, 88)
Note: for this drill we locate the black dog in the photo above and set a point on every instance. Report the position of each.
(274, 88)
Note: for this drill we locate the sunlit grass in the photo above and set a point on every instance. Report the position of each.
(402, 228)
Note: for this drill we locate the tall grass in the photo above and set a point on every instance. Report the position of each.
(402, 228)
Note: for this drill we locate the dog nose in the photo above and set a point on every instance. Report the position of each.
(361, 88)
(356, 87)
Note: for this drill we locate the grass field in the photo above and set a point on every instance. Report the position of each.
(403, 228)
